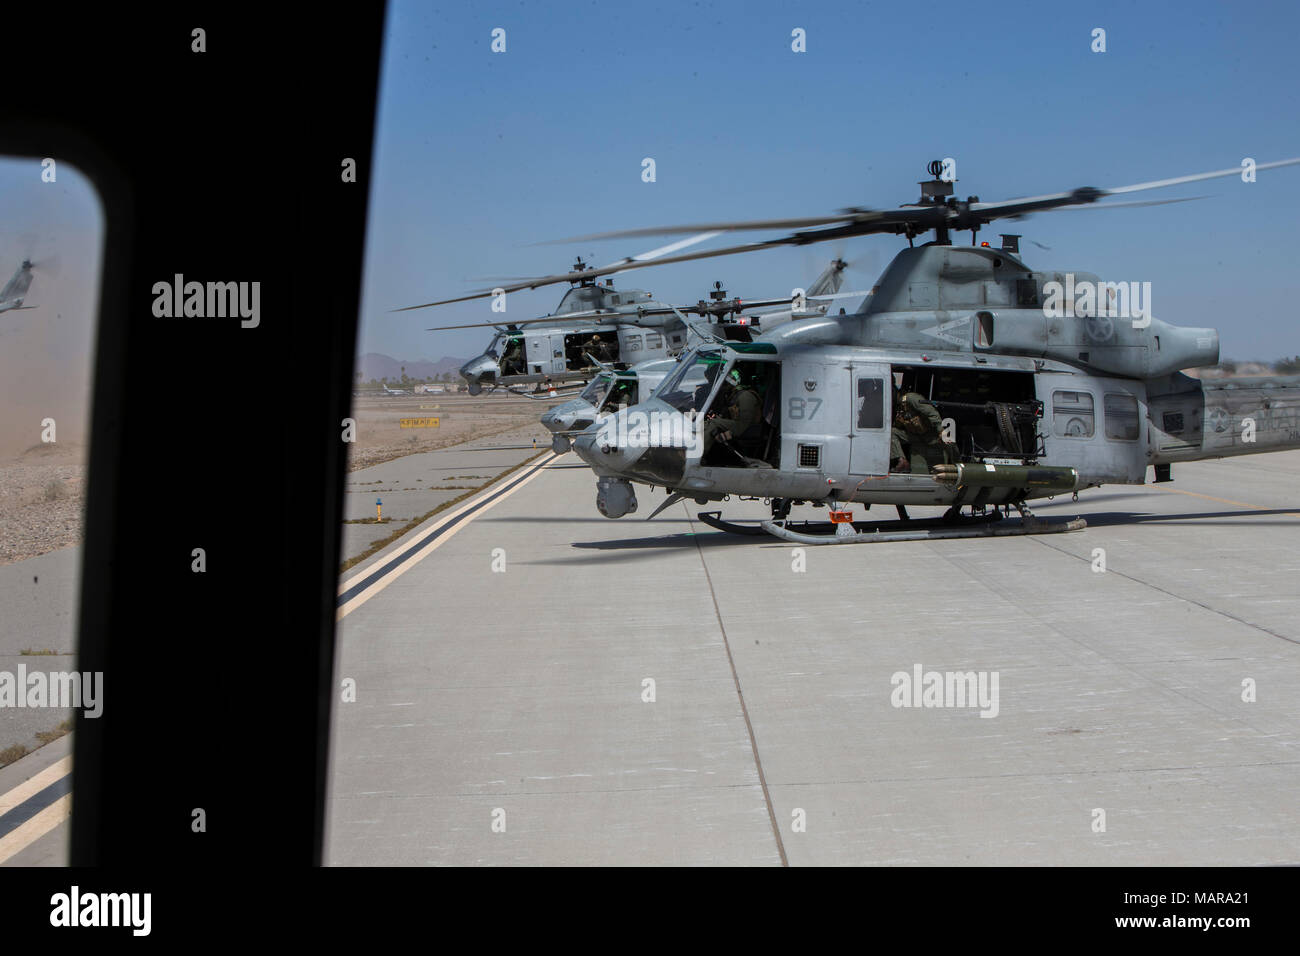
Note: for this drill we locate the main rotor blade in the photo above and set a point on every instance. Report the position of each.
(912, 219)
(840, 295)
(675, 246)
(463, 298)
(715, 228)
(1090, 194)
(1197, 177)
(579, 317)
(1136, 202)
(719, 307)
(536, 282)
(472, 325)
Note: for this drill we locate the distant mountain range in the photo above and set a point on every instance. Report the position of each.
(376, 366)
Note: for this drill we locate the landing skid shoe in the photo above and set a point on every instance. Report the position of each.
(714, 520)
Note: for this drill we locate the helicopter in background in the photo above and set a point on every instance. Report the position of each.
(1037, 399)
(609, 391)
(596, 324)
(15, 290)
(614, 388)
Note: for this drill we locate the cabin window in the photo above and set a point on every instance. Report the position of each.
(871, 403)
(653, 340)
(984, 330)
(1073, 415)
(1173, 422)
(1121, 416)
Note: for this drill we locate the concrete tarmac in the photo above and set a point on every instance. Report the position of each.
(413, 485)
(35, 806)
(39, 597)
(1144, 714)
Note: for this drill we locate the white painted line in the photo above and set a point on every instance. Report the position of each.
(437, 521)
(35, 828)
(34, 785)
(418, 555)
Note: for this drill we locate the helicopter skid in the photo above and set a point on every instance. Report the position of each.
(714, 520)
(878, 532)
(868, 533)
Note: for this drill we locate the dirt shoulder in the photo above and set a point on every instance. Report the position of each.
(380, 437)
(42, 500)
(42, 490)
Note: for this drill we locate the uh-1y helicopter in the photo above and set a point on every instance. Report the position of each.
(611, 390)
(616, 388)
(15, 290)
(596, 324)
(1038, 398)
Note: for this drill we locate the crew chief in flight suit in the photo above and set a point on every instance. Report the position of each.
(918, 424)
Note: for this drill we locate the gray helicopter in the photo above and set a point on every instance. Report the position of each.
(615, 388)
(609, 391)
(15, 290)
(594, 325)
(1042, 390)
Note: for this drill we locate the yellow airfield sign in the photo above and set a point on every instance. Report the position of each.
(418, 422)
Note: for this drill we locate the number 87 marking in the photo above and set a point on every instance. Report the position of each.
(799, 410)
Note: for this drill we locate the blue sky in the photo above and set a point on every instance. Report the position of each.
(45, 352)
(480, 155)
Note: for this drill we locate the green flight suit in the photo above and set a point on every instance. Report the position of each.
(919, 426)
(513, 363)
(744, 409)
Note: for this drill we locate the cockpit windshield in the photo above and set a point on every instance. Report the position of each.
(595, 390)
(690, 384)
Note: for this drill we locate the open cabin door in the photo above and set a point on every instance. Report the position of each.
(545, 351)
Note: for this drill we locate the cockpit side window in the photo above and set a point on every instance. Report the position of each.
(622, 394)
(595, 390)
(688, 388)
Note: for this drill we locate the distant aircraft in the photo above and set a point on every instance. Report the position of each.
(11, 297)
(393, 391)
(596, 324)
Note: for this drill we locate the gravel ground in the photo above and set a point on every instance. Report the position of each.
(42, 494)
(380, 437)
(42, 490)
